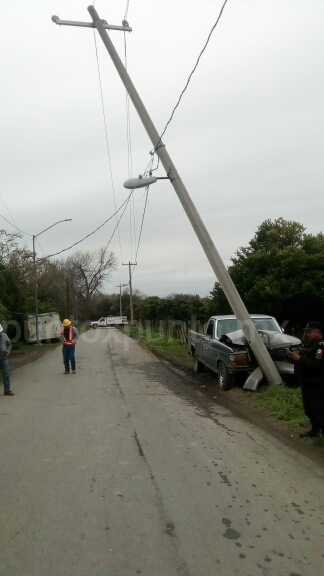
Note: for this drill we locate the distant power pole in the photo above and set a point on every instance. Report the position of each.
(130, 289)
(120, 298)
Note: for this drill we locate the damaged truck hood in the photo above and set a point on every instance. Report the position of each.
(270, 339)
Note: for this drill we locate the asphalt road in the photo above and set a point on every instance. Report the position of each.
(114, 471)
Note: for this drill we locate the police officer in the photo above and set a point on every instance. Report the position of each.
(310, 368)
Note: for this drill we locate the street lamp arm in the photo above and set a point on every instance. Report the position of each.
(59, 221)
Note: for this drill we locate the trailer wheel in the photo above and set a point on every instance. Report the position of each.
(198, 366)
(225, 379)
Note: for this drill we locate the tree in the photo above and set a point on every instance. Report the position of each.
(20, 260)
(104, 305)
(15, 276)
(12, 303)
(280, 272)
(66, 286)
(86, 273)
(174, 307)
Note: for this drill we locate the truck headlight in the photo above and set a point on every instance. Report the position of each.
(239, 359)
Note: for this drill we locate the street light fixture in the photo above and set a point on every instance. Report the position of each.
(35, 272)
(142, 181)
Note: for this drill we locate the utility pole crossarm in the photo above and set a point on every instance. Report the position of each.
(105, 24)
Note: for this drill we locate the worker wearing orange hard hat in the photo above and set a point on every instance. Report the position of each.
(69, 337)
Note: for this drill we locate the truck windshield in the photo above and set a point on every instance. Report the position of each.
(228, 325)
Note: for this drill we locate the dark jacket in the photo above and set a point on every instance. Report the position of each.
(310, 367)
(5, 345)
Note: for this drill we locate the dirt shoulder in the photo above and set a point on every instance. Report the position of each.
(204, 389)
(19, 358)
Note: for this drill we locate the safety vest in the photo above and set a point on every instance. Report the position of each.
(68, 341)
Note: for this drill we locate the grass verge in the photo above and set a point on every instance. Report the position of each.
(170, 348)
(25, 347)
(285, 403)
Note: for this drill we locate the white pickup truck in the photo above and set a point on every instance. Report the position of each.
(109, 322)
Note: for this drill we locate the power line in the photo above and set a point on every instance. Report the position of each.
(125, 203)
(116, 227)
(192, 72)
(111, 237)
(11, 216)
(126, 10)
(11, 224)
(40, 247)
(106, 134)
(140, 234)
(93, 232)
(148, 169)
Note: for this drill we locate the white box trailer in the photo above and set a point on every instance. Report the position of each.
(49, 327)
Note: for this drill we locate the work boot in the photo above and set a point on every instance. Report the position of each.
(8, 393)
(310, 434)
(66, 372)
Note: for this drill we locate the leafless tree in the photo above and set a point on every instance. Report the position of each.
(86, 273)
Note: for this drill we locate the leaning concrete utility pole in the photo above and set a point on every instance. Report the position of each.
(120, 298)
(263, 358)
(130, 289)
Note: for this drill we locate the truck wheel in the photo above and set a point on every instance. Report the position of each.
(198, 366)
(225, 379)
(94, 326)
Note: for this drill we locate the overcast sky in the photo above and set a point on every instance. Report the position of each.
(247, 138)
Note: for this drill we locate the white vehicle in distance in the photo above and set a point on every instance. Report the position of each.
(110, 322)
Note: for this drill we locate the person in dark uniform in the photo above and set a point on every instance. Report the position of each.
(309, 366)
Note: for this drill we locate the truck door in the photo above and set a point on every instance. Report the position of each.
(209, 355)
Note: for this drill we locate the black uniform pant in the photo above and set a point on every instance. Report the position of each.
(313, 401)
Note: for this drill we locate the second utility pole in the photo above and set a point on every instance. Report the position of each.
(120, 298)
(130, 290)
(36, 295)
